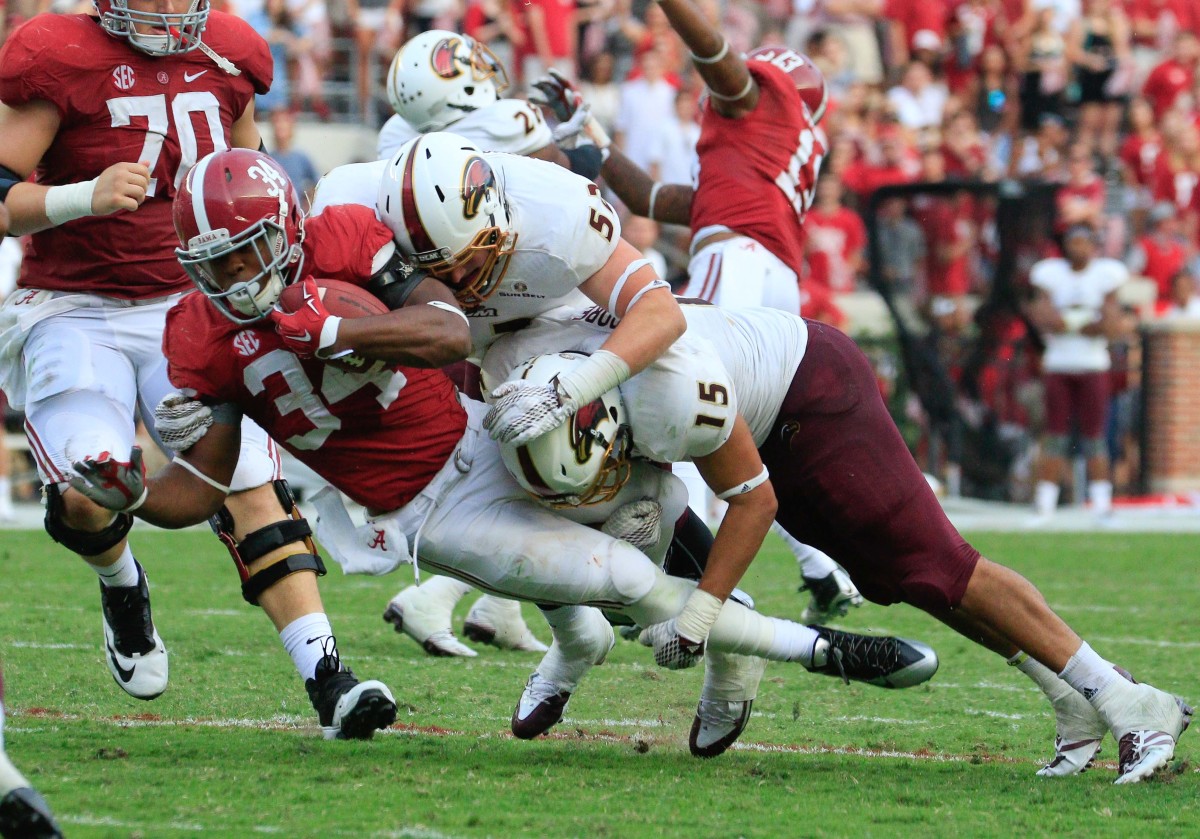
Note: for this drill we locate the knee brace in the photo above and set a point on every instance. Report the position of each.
(688, 555)
(266, 539)
(1056, 445)
(82, 542)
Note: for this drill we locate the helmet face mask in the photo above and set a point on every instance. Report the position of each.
(239, 203)
(439, 77)
(180, 32)
(587, 459)
(445, 207)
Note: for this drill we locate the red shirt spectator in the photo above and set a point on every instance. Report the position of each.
(1139, 151)
(950, 238)
(897, 166)
(1174, 76)
(835, 238)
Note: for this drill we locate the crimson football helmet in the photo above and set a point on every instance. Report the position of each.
(446, 208)
(170, 34)
(808, 78)
(239, 201)
(584, 461)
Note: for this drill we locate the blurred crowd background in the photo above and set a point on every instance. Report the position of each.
(975, 117)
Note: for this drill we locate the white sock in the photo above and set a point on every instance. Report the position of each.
(1045, 498)
(10, 778)
(1100, 494)
(446, 588)
(1088, 673)
(121, 574)
(792, 642)
(582, 636)
(1042, 676)
(813, 563)
(5, 488)
(306, 640)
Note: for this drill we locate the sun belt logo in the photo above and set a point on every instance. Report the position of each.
(444, 58)
(585, 429)
(478, 183)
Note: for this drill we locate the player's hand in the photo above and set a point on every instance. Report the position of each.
(113, 484)
(558, 93)
(310, 330)
(522, 412)
(121, 186)
(568, 130)
(181, 421)
(671, 650)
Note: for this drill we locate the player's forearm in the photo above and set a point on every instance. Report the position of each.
(647, 330)
(177, 498)
(27, 209)
(740, 535)
(672, 202)
(722, 68)
(416, 336)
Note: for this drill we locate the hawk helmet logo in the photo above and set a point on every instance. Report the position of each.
(478, 183)
(585, 429)
(444, 59)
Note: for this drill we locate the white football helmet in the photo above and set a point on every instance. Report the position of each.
(439, 77)
(446, 209)
(583, 461)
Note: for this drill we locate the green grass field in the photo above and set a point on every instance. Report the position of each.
(232, 748)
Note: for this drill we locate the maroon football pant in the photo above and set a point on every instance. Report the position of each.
(847, 484)
(1082, 397)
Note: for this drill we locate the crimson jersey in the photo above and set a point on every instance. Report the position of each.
(350, 235)
(118, 104)
(379, 435)
(758, 172)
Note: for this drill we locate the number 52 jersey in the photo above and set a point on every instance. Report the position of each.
(120, 105)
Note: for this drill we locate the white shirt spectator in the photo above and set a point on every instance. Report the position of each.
(1077, 294)
(647, 112)
(919, 110)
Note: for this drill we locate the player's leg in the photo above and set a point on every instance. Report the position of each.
(80, 400)
(877, 514)
(24, 814)
(1052, 459)
(271, 545)
(1091, 411)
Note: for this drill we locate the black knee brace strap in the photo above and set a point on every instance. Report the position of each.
(265, 540)
(82, 542)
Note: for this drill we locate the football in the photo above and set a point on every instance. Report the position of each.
(344, 300)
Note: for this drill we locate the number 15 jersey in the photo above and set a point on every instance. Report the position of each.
(118, 104)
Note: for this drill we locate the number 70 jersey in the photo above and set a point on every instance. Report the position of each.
(120, 105)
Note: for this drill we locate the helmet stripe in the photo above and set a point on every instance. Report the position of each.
(196, 176)
(408, 206)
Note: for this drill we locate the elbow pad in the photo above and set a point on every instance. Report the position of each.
(586, 160)
(395, 281)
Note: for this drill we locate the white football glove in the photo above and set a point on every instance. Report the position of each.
(566, 132)
(181, 421)
(672, 650)
(522, 412)
(113, 484)
(558, 93)
(638, 523)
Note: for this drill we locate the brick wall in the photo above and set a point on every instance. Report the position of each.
(1171, 389)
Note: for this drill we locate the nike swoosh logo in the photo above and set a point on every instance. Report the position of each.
(313, 640)
(125, 675)
(305, 337)
(191, 77)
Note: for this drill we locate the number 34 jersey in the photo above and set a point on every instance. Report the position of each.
(117, 104)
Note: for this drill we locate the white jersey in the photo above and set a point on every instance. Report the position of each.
(566, 232)
(508, 125)
(682, 406)
(1084, 292)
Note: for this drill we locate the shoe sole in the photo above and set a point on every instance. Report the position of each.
(23, 812)
(393, 615)
(479, 633)
(373, 712)
(1060, 758)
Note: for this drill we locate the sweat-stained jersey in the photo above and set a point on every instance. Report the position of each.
(379, 435)
(117, 104)
(758, 172)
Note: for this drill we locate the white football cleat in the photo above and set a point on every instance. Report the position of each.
(1146, 723)
(426, 619)
(832, 597)
(133, 651)
(540, 707)
(1078, 730)
(495, 621)
(717, 726)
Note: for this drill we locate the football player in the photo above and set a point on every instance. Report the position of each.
(844, 479)
(443, 80)
(24, 814)
(433, 478)
(760, 149)
(109, 111)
